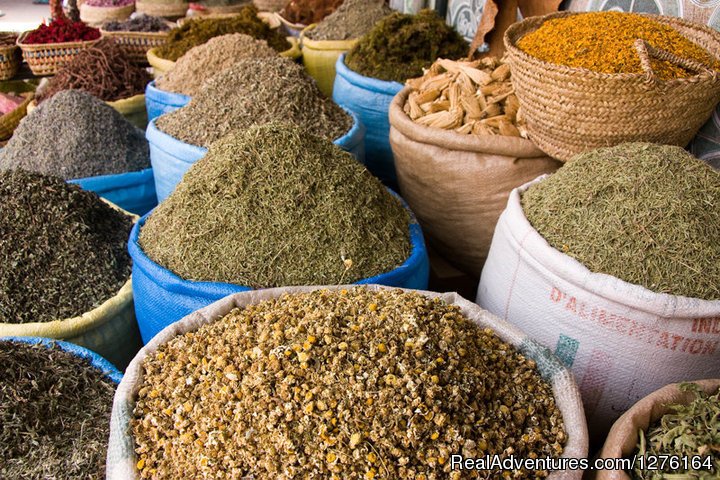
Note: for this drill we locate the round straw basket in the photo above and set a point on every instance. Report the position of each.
(47, 58)
(137, 44)
(10, 121)
(572, 110)
(96, 16)
(10, 59)
(166, 10)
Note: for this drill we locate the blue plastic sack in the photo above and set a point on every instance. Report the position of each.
(162, 298)
(171, 158)
(107, 368)
(370, 99)
(132, 191)
(159, 102)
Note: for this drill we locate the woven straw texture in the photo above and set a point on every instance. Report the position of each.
(47, 58)
(97, 16)
(10, 60)
(10, 121)
(170, 10)
(572, 110)
(137, 44)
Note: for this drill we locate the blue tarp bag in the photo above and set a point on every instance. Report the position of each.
(159, 102)
(132, 191)
(370, 99)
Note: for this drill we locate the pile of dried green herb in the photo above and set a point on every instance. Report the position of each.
(277, 205)
(75, 135)
(647, 214)
(138, 23)
(63, 250)
(198, 31)
(255, 91)
(690, 432)
(401, 45)
(353, 384)
(352, 19)
(54, 414)
(211, 58)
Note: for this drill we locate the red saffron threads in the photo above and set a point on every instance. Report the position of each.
(62, 30)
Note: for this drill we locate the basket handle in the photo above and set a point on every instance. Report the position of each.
(646, 51)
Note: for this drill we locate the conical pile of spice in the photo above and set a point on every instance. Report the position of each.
(401, 45)
(277, 205)
(356, 384)
(54, 414)
(103, 70)
(198, 31)
(255, 91)
(202, 62)
(352, 19)
(644, 213)
(63, 249)
(75, 135)
(605, 42)
(306, 12)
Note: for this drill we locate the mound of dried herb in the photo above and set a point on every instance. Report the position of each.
(103, 70)
(355, 384)
(62, 30)
(277, 205)
(688, 431)
(202, 62)
(306, 12)
(198, 31)
(54, 414)
(139, 23)
(352, 19)
(401, 45)
(75, 135)
(647, 214)
(255, 91)
(63, 250)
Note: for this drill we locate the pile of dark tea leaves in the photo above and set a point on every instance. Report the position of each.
(277, 205)
(255, 91)
(54, 414)
(63, 249)
(352, 19)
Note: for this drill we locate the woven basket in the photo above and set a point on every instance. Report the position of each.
(170, 11)
(97, 16)
(137, 44)
(47, 58)
(10, 60)
(572, 110)
(10, 121)
(269, 5)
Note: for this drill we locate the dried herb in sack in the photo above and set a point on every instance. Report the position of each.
(140, 23)
(352, 19)
(277, 205)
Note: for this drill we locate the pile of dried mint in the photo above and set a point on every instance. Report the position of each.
(255, 91)
(211, 58)
(277, 205)
(54, 414)
(138, 23)
(647, 214)
(352, 19)
(63, 250)
(198, 31)
(401, 45)
(689, 431)
(75, 135)
(353, 384)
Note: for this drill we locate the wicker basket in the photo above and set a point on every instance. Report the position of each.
(10, 121)
(270, 5)
(171, 11)
(10, 60)
(97, 16)
(572, 110)
(47, 58)
(137, 44)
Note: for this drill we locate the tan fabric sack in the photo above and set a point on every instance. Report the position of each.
(457, 185)
(623, 436)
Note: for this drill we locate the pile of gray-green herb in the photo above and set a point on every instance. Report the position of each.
(689, 431)
(75, 135)
(63, 250)
(646, 214)
(202, 62)
(352, 19)
(139, 23)
(255, 91)
(277, 205)
(355, 384)
(54, 414)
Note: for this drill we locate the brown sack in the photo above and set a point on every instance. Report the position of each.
(457, 185)
(623, 436)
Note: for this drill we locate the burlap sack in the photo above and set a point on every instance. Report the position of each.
(458, 185)
(623, 436)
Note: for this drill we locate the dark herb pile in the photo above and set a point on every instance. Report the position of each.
(401, 45)
(352, 19)
(103, 70)
(63, 250)
(647, 214)
(306, 12)
(54, 414)
(75, 135)
(198, 31)
(277, 205)
(62, 30)
(255, 91)
(140, 23)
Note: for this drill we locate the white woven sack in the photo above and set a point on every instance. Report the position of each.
(121, 459)
(622, 341)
